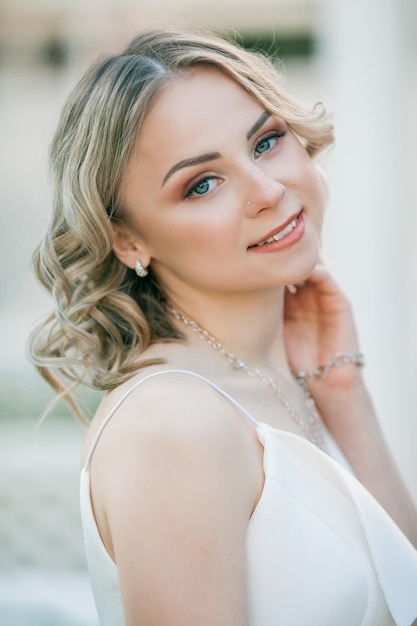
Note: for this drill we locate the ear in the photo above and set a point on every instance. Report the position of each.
(129, 247)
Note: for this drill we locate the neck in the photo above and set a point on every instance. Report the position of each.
(249, 327)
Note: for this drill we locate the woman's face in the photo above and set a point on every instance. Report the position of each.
(214, 175)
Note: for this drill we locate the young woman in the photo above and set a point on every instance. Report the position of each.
(182, 258)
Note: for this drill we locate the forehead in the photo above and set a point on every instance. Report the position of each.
(193, 112)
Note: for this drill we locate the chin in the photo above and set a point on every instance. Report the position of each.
(303, 267)
(301, 274)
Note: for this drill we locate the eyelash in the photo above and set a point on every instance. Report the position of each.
(273, 135)
(189, 192)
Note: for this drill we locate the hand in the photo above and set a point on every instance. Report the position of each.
(318, 323)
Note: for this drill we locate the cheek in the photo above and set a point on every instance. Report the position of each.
(320, 189)
(312, 186)
(206, 222)
(213, 228)
(213, 240)
(220, 225)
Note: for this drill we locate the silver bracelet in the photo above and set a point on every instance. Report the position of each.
(339, 359)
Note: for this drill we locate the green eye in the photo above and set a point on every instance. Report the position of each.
(202, 187)
(267, 143)
(263, 146)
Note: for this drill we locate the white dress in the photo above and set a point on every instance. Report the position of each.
(320, 550)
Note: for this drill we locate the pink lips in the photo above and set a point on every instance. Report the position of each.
(287, 240)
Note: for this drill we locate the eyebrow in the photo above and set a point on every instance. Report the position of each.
(202, 158)
(211, 156)
(257, 125)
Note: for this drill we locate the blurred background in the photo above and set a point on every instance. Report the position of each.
(359, 57)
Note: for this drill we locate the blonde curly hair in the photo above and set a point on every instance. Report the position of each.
(104, 317)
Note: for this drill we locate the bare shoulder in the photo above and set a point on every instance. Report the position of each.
(172, 424)
(175, 477)
(176, 405)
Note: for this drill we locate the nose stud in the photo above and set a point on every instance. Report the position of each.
(249, 203)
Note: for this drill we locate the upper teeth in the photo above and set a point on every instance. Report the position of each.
(281, 233)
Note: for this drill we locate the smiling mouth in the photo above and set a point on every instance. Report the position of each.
(280, 234)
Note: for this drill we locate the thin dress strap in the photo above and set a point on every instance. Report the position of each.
(142, 380)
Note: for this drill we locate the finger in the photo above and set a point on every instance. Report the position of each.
(292, 289)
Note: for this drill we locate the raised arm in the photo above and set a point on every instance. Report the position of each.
(319, 324)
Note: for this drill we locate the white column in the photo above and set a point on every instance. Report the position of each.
(371, 228)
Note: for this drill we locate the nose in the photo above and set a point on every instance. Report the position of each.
(262, 191)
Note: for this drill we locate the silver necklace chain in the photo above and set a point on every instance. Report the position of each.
(311, 427)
